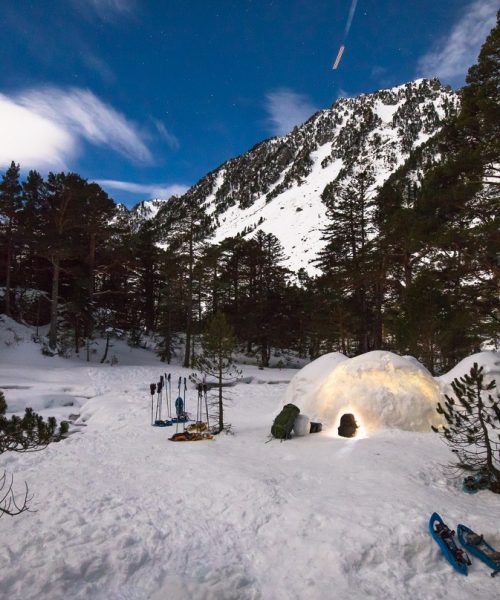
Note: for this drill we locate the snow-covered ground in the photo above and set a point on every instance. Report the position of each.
(122, 513)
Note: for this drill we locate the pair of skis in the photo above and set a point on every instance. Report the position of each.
(157, 388)
(200, 425)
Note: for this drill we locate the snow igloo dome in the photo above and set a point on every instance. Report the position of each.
(381, 389)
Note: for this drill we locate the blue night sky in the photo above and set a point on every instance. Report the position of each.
(148, 96)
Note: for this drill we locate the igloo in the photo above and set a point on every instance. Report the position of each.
(382, 390)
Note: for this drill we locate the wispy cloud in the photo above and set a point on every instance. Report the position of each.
(44, 128)
(342, 93)
(169, 137)
(97, 65)
(107, 9)
(158, 190)
(453, 54)
(285, 109)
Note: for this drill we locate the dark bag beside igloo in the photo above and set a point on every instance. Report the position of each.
(283, 423)
(348, 426)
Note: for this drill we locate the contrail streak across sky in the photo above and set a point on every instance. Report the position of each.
(347, 28)
(352, 10)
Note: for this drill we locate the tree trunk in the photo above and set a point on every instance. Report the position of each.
(103, 359)
(54, 305)
(8, 276)
(189, 319)
(221, 403)
(92, 251)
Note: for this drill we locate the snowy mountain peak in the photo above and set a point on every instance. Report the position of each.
(277, 185)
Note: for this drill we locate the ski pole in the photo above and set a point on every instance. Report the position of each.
(159, 399)
(152, 389)
(178, 405)
(184, 398)
(198, 406)
(169, 396)
(162, 381)
(205, 390)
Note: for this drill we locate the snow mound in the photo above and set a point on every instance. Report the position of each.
(489, 360)
(305, 384)
(382, 390)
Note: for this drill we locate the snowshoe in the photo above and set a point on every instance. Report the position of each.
(160, 423)
(476, 482)
(444, 537)
(182, 418)
(477, 546)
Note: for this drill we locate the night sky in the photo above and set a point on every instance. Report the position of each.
(147, 97)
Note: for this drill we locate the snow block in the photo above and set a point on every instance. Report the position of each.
(301, 425)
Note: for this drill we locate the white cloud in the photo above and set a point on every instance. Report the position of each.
(44, 128)
(32, 139)
(159, 190)
(286, 109)
(452, 55)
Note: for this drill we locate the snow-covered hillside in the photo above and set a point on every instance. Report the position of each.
(141, 212)
(277, 185)
(124, 514)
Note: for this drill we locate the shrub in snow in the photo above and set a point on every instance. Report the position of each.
(380, 389)
(29, 433)
(472, 417)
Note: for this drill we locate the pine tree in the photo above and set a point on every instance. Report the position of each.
(459, 203)
(216, 360)
(10, 206)
(61, 218)
(349, 260)
(266, 293)
(31, 229)
(472, 423)
(184, 225)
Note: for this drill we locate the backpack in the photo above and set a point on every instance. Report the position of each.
(283, 423)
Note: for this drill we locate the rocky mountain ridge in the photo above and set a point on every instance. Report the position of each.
(277, 185)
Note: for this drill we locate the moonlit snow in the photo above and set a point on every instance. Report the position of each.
(124, 514)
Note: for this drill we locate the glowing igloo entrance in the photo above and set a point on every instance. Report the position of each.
(381, 390)
(348, 425)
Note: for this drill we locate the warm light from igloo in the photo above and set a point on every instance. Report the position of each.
(378, 398)
(361, 431)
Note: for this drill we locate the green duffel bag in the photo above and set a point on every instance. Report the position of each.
(283, 423)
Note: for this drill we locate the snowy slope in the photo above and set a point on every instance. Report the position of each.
(277, 185)
(124, 514)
